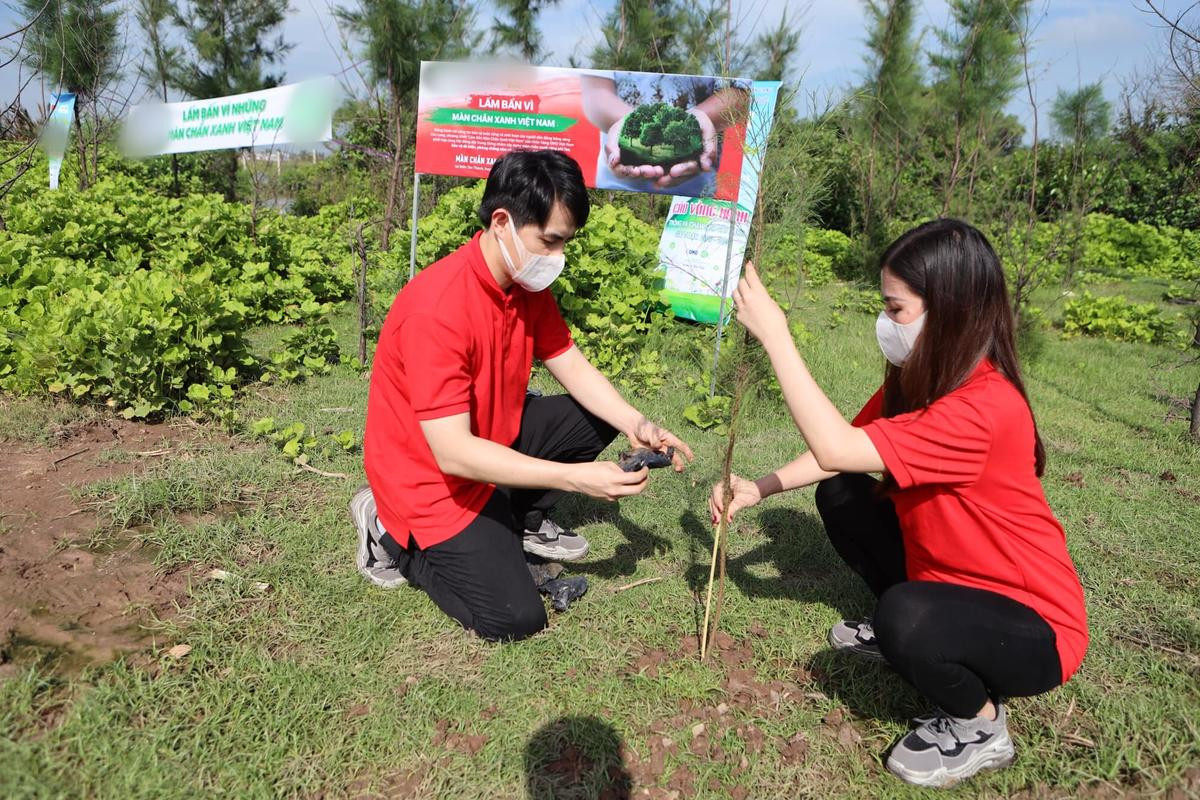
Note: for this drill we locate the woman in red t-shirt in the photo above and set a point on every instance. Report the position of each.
(977, 597)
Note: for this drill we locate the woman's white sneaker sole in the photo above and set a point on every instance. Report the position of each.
(999, 753)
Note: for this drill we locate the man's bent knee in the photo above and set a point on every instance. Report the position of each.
(520, 622)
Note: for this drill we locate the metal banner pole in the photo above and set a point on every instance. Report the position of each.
(733, 209)
(412, 243)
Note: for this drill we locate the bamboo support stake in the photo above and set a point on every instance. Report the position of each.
(712, 571)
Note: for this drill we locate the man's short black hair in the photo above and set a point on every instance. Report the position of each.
(527, 184)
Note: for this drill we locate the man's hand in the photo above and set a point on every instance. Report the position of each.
(649, 435)
(745, 495)
(604, 480)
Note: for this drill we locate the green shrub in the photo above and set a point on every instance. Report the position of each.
(121, 296)
(137, 340)
(1115, 318)
(1118, 247)
(823, 256)
(1107, 247)
(828, 253)
(312, 350)
(609, 292)
(707, 412)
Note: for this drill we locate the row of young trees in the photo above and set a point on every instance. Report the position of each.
(192, 48)
(924, 131)
(926, 128)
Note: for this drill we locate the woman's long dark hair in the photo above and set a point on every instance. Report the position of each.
(953, 268)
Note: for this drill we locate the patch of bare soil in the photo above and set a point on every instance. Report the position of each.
(702, 727)
(56, 596)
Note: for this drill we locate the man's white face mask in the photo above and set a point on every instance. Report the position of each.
(532, 272)
(896, 340)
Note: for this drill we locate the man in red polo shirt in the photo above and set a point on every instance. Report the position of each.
(462, 464)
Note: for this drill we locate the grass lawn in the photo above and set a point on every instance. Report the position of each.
(325, 686)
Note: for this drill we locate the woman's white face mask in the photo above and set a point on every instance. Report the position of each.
(533, 272)
(897, 340)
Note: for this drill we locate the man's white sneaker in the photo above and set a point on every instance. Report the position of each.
(373, 561)
(554, 543)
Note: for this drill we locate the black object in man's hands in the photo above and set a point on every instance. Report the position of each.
(633, 460)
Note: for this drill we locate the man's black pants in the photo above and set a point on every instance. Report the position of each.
(479, 576)
(957, 645)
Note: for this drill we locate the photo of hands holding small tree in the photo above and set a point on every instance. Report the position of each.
(661, 133)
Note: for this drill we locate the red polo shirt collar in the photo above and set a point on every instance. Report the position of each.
(482, 271)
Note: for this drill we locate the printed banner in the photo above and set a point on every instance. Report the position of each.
(56, 131)
(695, 238)
(299, 113)
(632, 131)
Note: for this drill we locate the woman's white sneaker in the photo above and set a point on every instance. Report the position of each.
(944, 750)
(855, 636)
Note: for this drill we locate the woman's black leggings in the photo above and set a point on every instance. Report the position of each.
(957, 645)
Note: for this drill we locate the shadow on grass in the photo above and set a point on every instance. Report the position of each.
(576, 757)
(639, 543)
(870, 689)
(809, 570)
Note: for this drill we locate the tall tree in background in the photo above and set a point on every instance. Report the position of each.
(889, 114)
(1080, 118)
(644, 36)
(707, 44)
(159, 59)
(395, 36)
(698, 38)
(1183, 47)
(975, 75)
(1082, 115)
(518, 27)
(232, 44)
(774, 50)
(75, 45)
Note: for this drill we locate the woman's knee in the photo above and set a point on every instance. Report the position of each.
(842, 490)
(900, 623)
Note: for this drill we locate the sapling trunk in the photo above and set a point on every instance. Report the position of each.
(720, 543)
(361, 285)
(721, 548)
(741, 383)
(1195, 428)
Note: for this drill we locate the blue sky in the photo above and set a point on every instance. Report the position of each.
(1076, 41)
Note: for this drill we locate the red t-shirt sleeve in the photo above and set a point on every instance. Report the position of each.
(551, 337)
(436, 359)
(947, 443)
